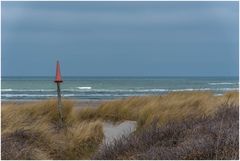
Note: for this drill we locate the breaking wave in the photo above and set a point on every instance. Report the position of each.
(27, 90)
(34, 95)
(222, 83)
(89, 89)
(103, 93)
(84, 87)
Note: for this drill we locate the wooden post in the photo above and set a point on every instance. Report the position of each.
(59, 80)
(59, 103)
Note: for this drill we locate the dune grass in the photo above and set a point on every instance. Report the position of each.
(32, 131)
(173, 106)
(211, 137)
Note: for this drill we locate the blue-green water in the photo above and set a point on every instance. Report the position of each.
(31, 88)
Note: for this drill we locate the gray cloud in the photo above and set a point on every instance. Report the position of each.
(106, 34)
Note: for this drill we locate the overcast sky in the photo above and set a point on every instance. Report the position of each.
(120, 38)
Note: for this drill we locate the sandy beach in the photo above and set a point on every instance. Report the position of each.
(77, 103)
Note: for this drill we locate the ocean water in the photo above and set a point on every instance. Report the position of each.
(96, 88)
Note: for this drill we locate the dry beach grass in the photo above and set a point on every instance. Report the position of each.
(32, 132)
(177, 121)
(173, 106)
(206, 138)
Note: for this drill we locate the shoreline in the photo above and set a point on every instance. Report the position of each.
(76, 100)
(95, 103)
(78, 104)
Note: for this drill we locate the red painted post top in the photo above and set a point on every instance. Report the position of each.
(58, 78)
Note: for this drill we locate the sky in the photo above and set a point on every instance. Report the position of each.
(120, 38)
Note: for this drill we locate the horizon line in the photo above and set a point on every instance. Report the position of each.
(118, 76)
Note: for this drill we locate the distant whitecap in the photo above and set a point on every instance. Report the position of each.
(222, 83)
(84, 88)
(6, 90)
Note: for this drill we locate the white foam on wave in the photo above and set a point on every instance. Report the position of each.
(35, 95)
(227, 89)
(27, 90)
(222, 83)
(128, 90)
(205, 89)
(84, 88)
(68, 95)
(27, 95)
(191, 89)
(154, 90)
(6, 90)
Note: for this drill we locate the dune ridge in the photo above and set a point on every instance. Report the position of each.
(32, 130)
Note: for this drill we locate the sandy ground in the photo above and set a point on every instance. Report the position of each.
(114, 131)
(77, 103)
(111, 131)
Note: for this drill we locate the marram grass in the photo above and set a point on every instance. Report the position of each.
(173, 106)
(32, 130)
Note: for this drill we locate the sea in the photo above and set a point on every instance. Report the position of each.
(102, 88)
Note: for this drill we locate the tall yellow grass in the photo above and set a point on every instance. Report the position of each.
(173, 106)
(76, 140)
(32, 131)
